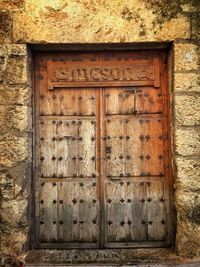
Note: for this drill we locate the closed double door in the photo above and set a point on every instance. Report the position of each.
(102, 167)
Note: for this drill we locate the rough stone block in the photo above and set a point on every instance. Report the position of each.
(17, 95)
(186, 56)
(16, 49)
(195, 26)
(5, 26)
(187, 141)
(187, 82)
(17, 71)
(14, 117)
(187, 110)
(13, 150)
(14, 212)
(174, 28)
(188, 173)
(11, 4)
(188, 239)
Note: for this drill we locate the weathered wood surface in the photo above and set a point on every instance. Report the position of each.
(102, 154)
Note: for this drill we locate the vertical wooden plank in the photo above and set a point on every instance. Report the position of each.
(48, 212)
(156, 211)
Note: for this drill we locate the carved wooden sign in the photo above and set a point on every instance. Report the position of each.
(100, 74)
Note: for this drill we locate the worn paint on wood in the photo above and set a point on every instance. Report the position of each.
(102, 154)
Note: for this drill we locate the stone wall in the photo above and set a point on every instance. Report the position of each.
(96, 21)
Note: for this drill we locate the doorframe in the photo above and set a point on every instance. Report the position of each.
(56, 48)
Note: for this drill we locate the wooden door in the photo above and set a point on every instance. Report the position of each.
(102, 160)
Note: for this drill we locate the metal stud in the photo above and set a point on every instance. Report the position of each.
(159, 94)
(74, 222)
(142, 200)
(121, 183)
(128, 156)
(92, 114)
(162, 199)
(42, 201)
(108, 137)
(160, 137)
(74, 201)
(128, 183)
(121, 200)
(93, 138)
(42, 139)
(93, 158)
(121, 156)
(148, 157)
(108, 121)
(129, 200)
(143, 222)
(74, 158)
(94, 184)
(109, 222)
(61, 201)
(41, 222)
(53, 121)
(54, 201)
(80, 98)
(42, 158)
(94, 201)
(141, 137)
(129, 222)
(122, 223)
(149, 199)
(53, 138)
(81, 201)
(109, 200)
(93, 175)
(42, 184)
(81, 222)
(94, 221)
(80, 138)
(121, 137)
(73, 138)
(127, 137)
(141, 157)
(163, 221)
(60, 158)
(54, 222)
(147, 137)
(41, 122)
(53, 158)
(160, 157)
(81, 184)
(79, 122)
(80, 158)
(150, 222)
(92, 122)
(73, 122)
(61, 222)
